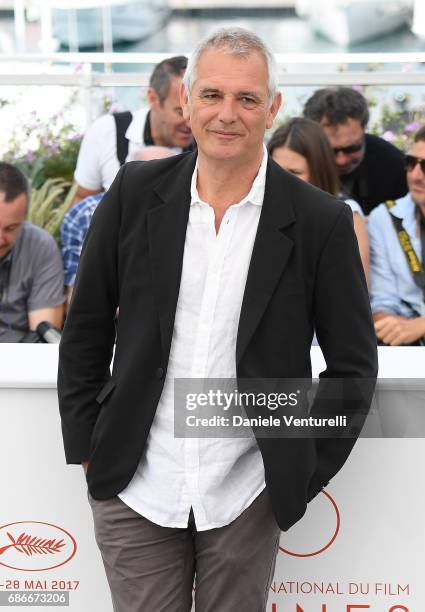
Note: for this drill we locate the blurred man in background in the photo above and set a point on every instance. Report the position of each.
(397, 242)
(112, 139)
(31, 276)
(371, 169)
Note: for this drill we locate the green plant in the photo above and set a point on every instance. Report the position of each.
(49, 204)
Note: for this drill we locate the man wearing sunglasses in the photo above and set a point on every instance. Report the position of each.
(397, 242)
(371, 169)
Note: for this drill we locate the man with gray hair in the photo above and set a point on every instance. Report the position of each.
(222, 265)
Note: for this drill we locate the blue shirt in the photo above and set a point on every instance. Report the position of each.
(74, 228)
(392, 287)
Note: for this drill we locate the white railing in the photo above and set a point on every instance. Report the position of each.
(142, 79)
(152, 58)
(48, 70)
(286, 62)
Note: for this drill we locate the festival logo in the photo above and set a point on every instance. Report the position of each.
(33, 546)
(324, 533)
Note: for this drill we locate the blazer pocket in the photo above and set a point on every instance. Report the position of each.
(106, 390)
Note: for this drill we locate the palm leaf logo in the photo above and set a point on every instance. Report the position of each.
(32, 545)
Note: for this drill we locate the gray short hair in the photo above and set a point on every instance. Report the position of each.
(235, 41)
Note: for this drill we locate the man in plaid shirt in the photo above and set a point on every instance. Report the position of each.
(73, 231)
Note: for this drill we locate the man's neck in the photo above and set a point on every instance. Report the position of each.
(222, 183)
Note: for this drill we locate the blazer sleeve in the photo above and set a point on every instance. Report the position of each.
(86, 347)
(346, 335)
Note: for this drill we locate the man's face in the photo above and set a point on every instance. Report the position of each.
(174, 131)
(343, 135)
(228, 108)
(415, 176)
(12, 215)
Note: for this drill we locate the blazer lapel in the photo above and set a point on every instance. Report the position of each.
(167, 225)
(269, 257)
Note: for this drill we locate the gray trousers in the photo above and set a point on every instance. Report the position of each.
(152, 568)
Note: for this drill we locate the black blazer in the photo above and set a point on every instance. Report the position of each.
(305, 273)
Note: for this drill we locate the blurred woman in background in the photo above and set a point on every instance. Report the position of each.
(301, 147)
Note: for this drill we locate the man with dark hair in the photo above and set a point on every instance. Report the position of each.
(31, 277)
(12, 185)
(397, 242)
(112, 139)
(370, 168)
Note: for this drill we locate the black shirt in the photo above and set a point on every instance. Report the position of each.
(380, 176)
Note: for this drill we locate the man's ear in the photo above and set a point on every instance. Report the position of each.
(153, 99)
(275, 105)
(184, 102)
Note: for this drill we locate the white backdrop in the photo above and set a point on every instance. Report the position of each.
(359, 547)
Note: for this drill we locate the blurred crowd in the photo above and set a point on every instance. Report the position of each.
(328, 146)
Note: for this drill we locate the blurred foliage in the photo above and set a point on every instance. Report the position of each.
(47, 150)
(44, 149)
(395, 118)
(49, 204)
(394, 115)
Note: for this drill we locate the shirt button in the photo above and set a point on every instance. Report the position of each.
(160, 373)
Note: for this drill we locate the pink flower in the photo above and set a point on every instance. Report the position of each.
(388, 135)
(412, 127)
(29, 157)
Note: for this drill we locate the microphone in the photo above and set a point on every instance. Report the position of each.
(48, 333)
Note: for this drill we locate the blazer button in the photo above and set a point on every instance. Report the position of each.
(160, 373)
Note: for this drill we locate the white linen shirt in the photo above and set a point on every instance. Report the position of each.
(97, 163)
(218, 477)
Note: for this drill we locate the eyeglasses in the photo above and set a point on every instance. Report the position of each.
(411, 161)
(355, 148)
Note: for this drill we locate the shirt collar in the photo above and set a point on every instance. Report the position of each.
(404, 208)
(256, 193)
(5, 260)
